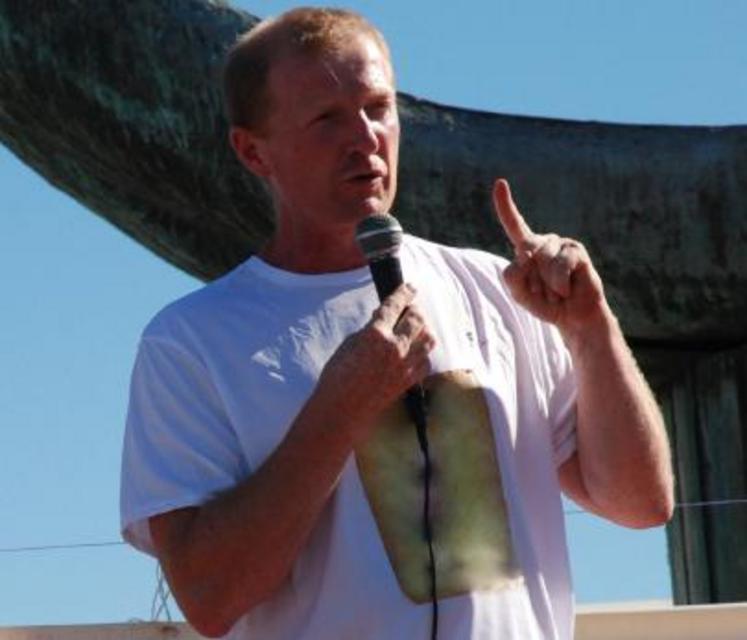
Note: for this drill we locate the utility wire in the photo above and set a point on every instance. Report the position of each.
(59, 547)
(678, 505)
(567, 512)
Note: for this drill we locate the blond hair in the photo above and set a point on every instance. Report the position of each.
(302, 31)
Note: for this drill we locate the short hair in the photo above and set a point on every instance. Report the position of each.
(302, 31)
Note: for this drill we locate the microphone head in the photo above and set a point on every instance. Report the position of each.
(379, 235)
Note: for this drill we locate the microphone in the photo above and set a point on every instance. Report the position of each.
(379, 237)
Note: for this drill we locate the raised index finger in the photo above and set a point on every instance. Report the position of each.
(513, 223)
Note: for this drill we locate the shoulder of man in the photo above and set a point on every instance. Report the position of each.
(471, 258)
(194, 309)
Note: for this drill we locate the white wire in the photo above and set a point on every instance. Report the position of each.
(711, 503)
(58, 547)
(678, 505)
(119, 543)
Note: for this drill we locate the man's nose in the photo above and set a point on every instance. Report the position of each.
(365, 135)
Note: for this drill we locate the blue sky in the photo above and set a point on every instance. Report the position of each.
(77, 292)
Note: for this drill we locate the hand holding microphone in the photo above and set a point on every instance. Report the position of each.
(380, 237)
(375, 366)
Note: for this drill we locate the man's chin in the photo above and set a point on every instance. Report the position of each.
(355, 209)
(369, 199)
(374, 205)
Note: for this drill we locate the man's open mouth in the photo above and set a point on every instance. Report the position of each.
(366, 176)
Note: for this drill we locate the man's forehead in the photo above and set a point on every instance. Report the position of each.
(361, 57)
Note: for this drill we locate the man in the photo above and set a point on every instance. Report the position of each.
(268, 464)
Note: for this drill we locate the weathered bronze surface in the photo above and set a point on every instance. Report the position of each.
(118, 104)
(706, 410)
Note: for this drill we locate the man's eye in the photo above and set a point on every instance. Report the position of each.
(324, 116)
(378, 110)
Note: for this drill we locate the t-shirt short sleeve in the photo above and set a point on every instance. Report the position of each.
(179, 447)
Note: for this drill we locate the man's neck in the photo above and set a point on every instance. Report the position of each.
(314, 252)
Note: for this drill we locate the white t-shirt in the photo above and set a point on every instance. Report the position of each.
(221, 374)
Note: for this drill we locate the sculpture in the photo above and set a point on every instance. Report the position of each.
(128, 120)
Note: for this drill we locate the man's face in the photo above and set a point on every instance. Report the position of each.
(330, 143)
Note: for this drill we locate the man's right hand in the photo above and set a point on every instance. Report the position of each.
(375, 366)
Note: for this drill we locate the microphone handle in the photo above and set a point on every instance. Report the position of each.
(387, 276)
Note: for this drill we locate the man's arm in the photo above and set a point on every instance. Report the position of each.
(223, 558)
(621, 469)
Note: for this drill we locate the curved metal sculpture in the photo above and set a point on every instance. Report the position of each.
(118, 104)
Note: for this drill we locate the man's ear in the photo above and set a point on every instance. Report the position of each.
(247, 147)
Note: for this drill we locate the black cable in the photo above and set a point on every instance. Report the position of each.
(415, 401)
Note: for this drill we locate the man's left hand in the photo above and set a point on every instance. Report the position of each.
(550, 276)
(621, 469)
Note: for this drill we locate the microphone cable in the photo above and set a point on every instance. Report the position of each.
(379, 237)
(415, 401)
